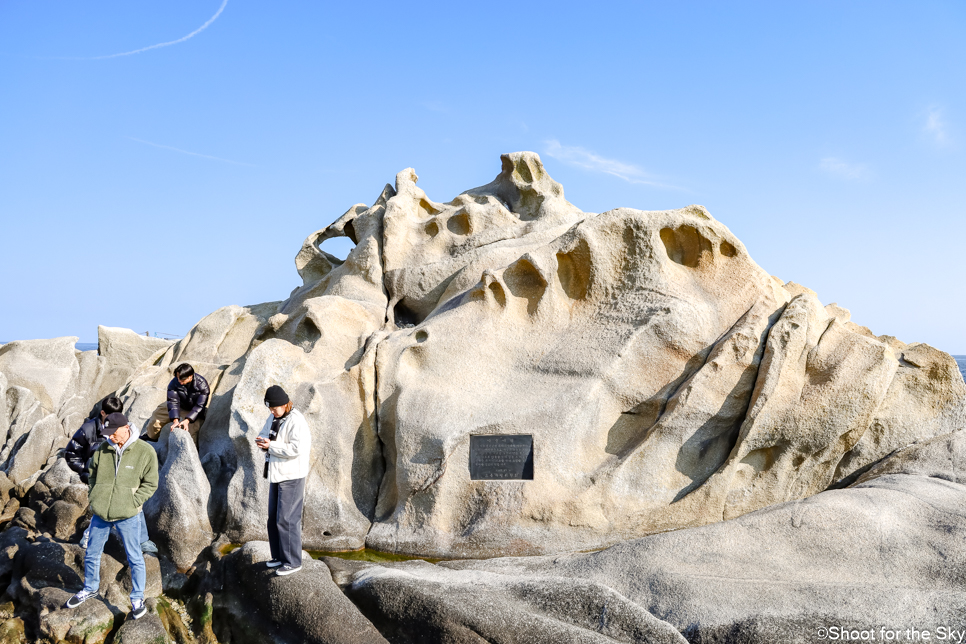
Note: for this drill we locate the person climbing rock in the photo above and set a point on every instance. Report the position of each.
(287, 443)
(81, 448)
(185, 407)
(123, 475)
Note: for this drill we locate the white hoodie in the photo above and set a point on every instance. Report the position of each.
(288, 454)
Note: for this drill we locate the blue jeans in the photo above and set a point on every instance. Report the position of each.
(130, 533)
(144, 528)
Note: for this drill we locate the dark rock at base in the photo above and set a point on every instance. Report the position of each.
(46, 564)
(304, 607)
(63, 517)
(147, 630)
(13, 540)
(61, 566)
(89, 623)
(172, 580)
(9, 510)
(26, 518)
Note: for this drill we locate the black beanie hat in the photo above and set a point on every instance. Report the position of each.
(275, 397)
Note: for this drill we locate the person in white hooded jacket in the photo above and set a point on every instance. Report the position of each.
(287, 443)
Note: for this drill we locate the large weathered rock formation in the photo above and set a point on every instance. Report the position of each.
(667, 381)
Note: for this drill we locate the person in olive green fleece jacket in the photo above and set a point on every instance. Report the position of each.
(123, 475)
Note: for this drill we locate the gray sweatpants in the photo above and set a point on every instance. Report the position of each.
(285, 521)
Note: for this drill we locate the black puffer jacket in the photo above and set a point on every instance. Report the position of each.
(82, 446)
(192, 396)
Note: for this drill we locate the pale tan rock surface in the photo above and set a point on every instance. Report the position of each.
(48, 388)
(884, 554)
(48, 368)
(123, 351)
(667, 380)
(179, 507)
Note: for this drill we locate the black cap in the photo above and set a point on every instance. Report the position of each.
(112, 422)
(275, 396)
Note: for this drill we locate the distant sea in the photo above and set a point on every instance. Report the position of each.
(961, 361)
(87, 346)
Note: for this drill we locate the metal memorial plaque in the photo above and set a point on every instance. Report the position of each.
(501, 457)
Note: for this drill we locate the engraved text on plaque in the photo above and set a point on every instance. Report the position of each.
(501, 457)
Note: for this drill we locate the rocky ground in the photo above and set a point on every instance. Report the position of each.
(718, 457)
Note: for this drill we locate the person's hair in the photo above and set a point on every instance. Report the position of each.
(183, 370)
(112, 405)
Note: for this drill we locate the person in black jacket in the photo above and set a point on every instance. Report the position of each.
(87, 439)
(185, 407)
(82, 446)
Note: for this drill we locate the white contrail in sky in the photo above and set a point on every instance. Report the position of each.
(588, 160)
(164, 44)
(194, 154)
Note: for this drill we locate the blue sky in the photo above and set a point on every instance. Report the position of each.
(147, 189)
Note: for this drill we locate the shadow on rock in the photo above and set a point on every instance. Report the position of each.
(259, 606)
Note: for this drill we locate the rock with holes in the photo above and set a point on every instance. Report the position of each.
(320, 347)
(631, 337)
(665, 378)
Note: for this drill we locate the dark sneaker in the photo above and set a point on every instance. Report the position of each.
(79, 599)
(149, 548)
(274, 563)
(287, 570)
(138, 609)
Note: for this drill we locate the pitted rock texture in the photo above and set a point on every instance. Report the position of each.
(668, 381)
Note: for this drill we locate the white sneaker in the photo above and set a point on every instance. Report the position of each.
(149, 548)
(274, 563)
(138, 609)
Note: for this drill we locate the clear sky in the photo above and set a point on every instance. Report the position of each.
(145, 186)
